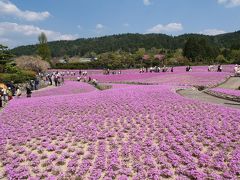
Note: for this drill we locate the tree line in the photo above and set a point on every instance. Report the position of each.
(128, 43)
(127, 50)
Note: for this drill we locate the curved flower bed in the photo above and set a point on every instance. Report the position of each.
(69, 87)
(230, 92)
(139, 132)
(233, 95)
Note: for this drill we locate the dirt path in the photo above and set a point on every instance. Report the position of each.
(193, 93)
(231, 83)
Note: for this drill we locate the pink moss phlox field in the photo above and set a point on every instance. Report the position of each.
(199, 76)
(69, 87)
(225, 91)
(137, 132)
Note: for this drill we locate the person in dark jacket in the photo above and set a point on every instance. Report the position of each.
(36, 83)
(29, 92)
(1, 94)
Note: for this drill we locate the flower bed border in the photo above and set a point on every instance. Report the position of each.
(223, 95)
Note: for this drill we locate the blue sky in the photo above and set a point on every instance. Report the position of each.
(21, 21)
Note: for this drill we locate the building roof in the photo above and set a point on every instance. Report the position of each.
(145, 57)
(160, 57)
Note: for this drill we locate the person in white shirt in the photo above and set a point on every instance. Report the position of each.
(19, 92)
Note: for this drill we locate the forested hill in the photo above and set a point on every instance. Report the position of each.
(128, 43)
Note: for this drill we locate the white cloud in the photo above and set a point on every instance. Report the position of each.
(8, 8)
(146, 2)
(17, 33)
(126, 25)
(229, 3)
(79, 26)
(171, 27)
(212, 32)
(99, 26)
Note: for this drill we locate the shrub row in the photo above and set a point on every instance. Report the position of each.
(18, 77)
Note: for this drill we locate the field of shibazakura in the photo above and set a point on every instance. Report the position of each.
(127, 132)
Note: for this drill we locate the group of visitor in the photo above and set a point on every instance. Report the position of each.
(212, 68)
(155, 69)
(82, 75)
(189, 68)
(108, 72)
(220, 68)
(56, 78)
(86, 79)
(7, 92)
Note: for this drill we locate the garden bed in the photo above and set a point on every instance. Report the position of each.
(225, 94)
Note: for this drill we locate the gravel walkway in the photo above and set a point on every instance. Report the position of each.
(231, 83)
(193, 93)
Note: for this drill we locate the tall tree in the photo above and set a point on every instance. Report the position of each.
(43, 49)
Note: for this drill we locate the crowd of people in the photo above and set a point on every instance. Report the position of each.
(83, 77)
(8, 91)
(108, 72)
(54, 78)
(218, 68)
(155, 69)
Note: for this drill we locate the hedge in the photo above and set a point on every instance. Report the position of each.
(19, 77)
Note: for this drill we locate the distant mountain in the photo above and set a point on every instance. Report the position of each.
(127, 42)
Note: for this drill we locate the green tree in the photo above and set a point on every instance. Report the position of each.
(235, 56)
(43, 49)
(140, 53)
(5, 54)
(221, 59)
(199, 49)
(191, 49)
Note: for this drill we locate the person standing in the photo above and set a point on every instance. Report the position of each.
(89, 79)
(55, 80)
(62, 79)
(9, 93)
(36, 83)
(31, 84)
(1, 94)
(4, 94)
(29, 92)
(219, 68)
(19, 92)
